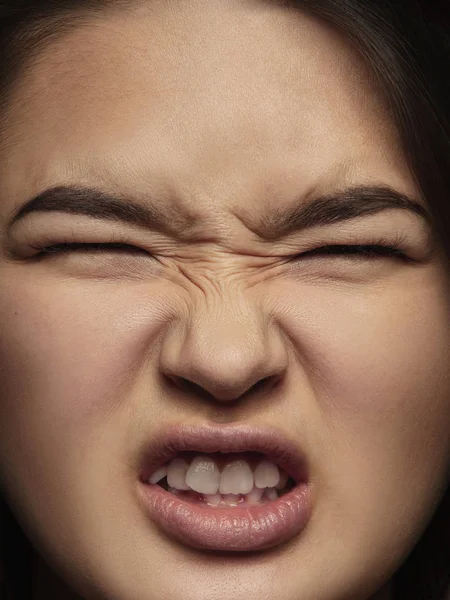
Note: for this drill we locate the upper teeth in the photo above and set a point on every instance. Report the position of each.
(203, 476)
(176, 477)
(237, 478)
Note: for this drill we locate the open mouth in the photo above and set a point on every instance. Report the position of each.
(225, 488)
(223, 479)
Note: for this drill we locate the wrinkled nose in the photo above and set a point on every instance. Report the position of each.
(224, 357)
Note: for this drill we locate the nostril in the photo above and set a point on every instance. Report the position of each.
(263, 385)
(267, 382)
(186, 385)
(256, 387)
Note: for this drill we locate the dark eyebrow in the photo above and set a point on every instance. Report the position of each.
(98, 204)
(342, 205)
(338, 206)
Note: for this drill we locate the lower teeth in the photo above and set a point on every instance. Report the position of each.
(225, 500)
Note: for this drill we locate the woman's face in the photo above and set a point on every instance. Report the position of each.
(222, 116)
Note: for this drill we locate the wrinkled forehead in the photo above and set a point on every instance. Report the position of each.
(197, 95)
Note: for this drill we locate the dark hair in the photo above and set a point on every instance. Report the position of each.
(406, 43)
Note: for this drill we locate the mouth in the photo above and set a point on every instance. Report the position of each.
(225, 488)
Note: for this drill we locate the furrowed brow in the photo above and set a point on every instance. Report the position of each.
(343, 205)
(80, 200)
(157, 215)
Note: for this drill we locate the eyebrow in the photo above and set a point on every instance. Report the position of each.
(342, 205)
(338, 206)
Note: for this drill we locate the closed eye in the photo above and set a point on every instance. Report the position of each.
(352, 251)
(74, 246)
(358, 251)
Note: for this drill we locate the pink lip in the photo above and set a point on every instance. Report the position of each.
(235, 528)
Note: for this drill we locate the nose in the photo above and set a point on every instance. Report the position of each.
(224, 357)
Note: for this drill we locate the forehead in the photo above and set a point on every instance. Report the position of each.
(208, 97)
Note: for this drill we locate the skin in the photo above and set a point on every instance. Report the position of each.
(222, 109)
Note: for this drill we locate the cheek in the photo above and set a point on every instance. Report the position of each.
(378, 422)
(374, 412)
(69, 357)
(375, 354)
(389, 373)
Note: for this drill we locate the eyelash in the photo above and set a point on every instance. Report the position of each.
(370, 251)
(70, 246)
(367, 251)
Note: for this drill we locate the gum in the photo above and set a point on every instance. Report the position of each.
(197, 498)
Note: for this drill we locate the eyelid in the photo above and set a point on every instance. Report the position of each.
(73, 237)
(356, 250)
(400, 241)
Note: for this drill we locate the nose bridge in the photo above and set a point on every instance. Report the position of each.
(225, 348)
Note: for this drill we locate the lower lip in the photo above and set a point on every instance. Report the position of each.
(228, 529)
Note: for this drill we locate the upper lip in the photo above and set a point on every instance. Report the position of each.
(169, 442)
